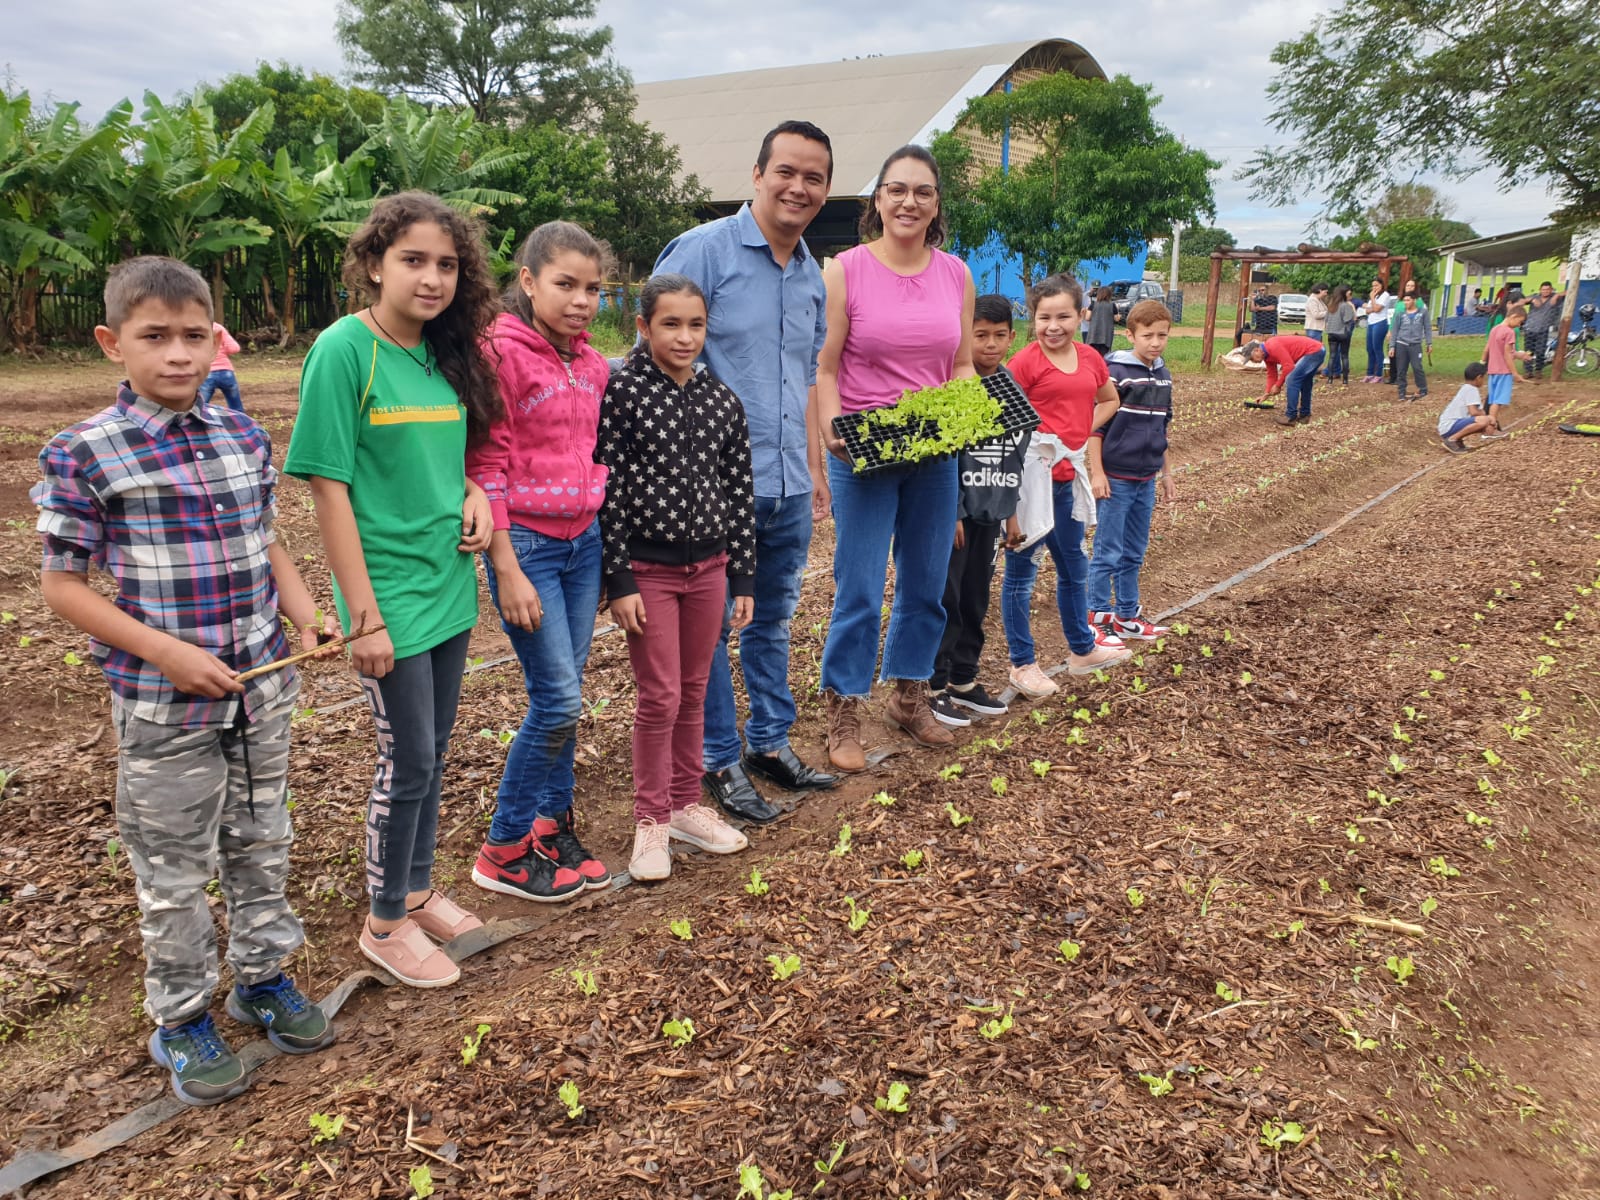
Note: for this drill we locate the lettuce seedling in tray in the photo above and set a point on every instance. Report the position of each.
(935, 421)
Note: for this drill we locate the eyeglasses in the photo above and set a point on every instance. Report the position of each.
(923, 194)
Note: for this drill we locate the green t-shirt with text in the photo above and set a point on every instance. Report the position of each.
(373, 419)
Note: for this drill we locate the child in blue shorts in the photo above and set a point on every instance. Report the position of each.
(1502, 349)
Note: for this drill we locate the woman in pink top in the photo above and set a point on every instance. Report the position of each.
(222, 376)
(899, 319)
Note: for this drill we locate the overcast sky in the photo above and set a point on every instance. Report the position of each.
(1207, 59)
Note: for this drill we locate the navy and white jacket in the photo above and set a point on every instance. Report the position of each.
(1134, 441)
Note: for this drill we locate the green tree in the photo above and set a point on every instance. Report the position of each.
(441, 152)
(51, 173)
(561, 175)
(306, 108)
(1463, 84)
(534, 58)
(653, 203)
(1105, 176)
(1414, 237)
(305, 201)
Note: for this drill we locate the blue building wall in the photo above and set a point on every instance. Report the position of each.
(993, 270)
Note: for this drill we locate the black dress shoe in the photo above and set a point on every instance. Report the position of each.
(737, 796)
(787, 771)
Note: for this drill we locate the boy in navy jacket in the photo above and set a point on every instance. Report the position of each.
(991, 481)
(1130, 451)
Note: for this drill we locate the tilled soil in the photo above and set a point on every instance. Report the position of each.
(1296, 905)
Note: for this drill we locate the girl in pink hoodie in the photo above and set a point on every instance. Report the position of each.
(537, 468)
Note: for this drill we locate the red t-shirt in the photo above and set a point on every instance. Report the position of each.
(1065, 403)
(1502, 340)
(1284, 351)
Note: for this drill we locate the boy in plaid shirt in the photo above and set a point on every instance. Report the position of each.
(175, 500)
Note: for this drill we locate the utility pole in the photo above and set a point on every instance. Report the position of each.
(1177, 230)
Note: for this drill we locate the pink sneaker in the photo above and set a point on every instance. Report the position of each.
(701, 827)
(442, 918)
(652, 854)
(1098, 659)
(409, 956)
(1032, 682)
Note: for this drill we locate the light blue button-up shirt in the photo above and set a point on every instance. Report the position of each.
(765, 328)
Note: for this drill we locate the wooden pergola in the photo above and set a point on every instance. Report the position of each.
(1378, 256)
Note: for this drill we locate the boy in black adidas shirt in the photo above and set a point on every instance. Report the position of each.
(991, 480)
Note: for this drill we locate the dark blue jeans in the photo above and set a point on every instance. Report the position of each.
(1376, 333)
(538, 779)
(1121, 535)
(914, 509)
(783, 536)
(1297, 388)
(1338, 357)
(228, 384)
(1065, 543)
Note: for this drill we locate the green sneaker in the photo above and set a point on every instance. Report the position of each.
(204, 1070)
(293, 1023)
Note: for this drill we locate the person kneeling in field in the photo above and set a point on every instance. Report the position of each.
(175, 499)
(1465, 414)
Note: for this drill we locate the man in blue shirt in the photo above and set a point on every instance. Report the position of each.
(766, 324)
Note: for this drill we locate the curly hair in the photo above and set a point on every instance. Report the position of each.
(454, 333)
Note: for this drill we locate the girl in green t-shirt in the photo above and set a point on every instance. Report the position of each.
(389, 400)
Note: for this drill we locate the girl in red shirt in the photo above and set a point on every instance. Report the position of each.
(1067, 383)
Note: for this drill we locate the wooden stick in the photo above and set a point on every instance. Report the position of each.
(337, 643)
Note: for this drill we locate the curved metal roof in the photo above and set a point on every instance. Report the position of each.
(868, 106)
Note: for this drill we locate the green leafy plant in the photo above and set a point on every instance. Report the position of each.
(71, 659)
(421, 1181)
(1397, 765)
(1275, 1136)
(1401, 968)
(1069, 950)
(957, 817)
(567, 1093)
(783, 966)
(825, 1169)
(1362, 1044)
(1041, 767)
(911, 860)
(504, 736)
(681, 928)
(1040, 717)
(681, 1032)
(883, 799)
(1442, 869)
(1206, 651)
(895, 1101)
(1428, 905)
(842, 846)
(753, 1184)
(1490, 757)
(997, 785)
(1159, 1085)
(931, 422)
(1226, 992)
(1140, 687)
(757, 885)
(994, 1028)
(950, 772)
(584, 981)
(471, 1044)
(1246, 678)
(1135, 898)
(325, 1128)
(1177, 670)
(857, 921)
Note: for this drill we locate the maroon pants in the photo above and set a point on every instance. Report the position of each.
(683, 609)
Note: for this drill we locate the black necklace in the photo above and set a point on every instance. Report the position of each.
(422, 362)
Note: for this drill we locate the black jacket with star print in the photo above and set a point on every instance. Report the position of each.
(680, 489)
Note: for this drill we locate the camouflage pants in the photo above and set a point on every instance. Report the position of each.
(184, 813)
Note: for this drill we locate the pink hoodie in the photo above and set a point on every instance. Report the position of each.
(537, 465)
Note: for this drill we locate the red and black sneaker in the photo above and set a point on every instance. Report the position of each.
(1100, 619)
(520, 869)
(1137, 629)
(555, 838)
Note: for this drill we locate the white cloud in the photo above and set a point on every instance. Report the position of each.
(1207, 59)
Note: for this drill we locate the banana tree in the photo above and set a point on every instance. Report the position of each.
(51, 171)
(440, 152)
(304, 201)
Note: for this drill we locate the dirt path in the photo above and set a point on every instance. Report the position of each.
(1248, 798)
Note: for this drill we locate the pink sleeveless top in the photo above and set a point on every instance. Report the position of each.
(904, 329)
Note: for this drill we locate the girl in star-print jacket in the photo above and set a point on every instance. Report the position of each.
(677, 532)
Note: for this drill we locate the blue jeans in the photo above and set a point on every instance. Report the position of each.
(538, 779)
(915, 509)
(228, 384)
(1297, 388)
(1314, 334)
(783, 536)
(1120, 539)
(1375, 336)
(1065, 543)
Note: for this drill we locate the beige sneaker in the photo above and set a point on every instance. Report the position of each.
(441, 917)
(652, 856)
(409, 956)
(1032, 682)
(1098, 659)
(701, 827)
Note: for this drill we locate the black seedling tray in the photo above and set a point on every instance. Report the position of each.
(877, 447)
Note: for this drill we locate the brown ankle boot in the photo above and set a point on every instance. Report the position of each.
(844, 733)
(908, 709)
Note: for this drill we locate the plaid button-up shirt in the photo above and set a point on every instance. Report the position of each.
(178, 508)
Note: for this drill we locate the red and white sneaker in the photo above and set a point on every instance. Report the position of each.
(1137, 629)
(1101, 620)
(1104, 637)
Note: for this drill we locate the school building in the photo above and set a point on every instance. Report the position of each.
(869, 107)
(1523, 259)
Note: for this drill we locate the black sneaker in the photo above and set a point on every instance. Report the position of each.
(946, 712)
(204, 1070)
(521, 870)
(558, 839)
(294, 1024)
(978, 700)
